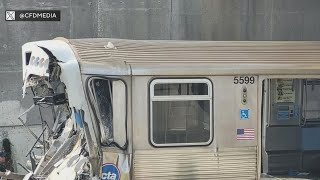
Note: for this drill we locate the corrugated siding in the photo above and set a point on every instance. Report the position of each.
(159, 52)
(195, 164)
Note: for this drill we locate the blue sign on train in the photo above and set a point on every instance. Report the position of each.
(110, 172)
(244, 114)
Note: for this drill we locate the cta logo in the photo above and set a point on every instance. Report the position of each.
(110, 172)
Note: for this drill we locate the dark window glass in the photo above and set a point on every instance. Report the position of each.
(180, 89)
(103, 95)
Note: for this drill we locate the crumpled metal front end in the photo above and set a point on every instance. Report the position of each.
(68, 142)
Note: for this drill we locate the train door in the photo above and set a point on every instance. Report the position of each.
(109, 100)
(291, 127)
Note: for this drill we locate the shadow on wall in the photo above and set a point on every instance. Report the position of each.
(6, 153)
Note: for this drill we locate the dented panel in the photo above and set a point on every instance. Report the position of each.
(72, 137)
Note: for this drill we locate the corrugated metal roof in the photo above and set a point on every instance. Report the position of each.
(150, 53)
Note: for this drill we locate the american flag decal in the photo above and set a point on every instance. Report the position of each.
(245, 134)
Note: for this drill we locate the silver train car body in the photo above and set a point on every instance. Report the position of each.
(179, 109)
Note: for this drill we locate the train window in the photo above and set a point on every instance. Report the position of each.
(180, 112)
(181, 89)
(109, 100)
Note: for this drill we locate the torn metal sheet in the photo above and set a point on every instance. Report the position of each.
(76, 130)
(67, 145)
(55, 146)
(70, 166)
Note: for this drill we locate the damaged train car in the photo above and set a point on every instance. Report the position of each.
(144, 109)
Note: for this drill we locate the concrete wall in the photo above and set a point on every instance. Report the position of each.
(21, 141)
(142, 19)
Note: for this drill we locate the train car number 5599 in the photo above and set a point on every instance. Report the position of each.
(243, 80)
